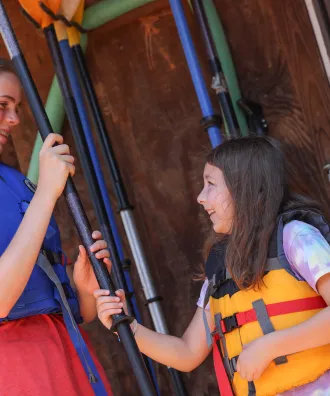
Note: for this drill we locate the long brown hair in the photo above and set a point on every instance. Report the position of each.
(6, 66)
(255, 173)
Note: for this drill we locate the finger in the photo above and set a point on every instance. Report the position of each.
(82, 253)
(96, 234)
(101, 292)
(249, 376)
(121, 294)
(66, 158)
(109, 312)
(108, 263)
(102, 254)
(109, 302)
(61, 149)
(72, 170)
(110, 305)
(98, 245)
(51, 139)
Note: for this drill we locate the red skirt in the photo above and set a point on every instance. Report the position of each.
(39, 359)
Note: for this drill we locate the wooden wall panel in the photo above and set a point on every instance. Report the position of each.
(278, 64)
(143, 87)
(153, 117)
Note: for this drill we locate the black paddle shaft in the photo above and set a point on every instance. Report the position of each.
(121, 321)
(76, 127)
(85, 158)
(110, 160)
(108, 152)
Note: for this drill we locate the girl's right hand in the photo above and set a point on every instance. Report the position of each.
(55, 166)
(107, 305)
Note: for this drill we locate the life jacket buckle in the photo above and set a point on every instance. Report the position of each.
(230, 323)
(52, 257)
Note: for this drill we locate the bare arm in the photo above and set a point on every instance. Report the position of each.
(184, 354)
(309, 334)
(17, 262)
(82, 276)
(86, 300)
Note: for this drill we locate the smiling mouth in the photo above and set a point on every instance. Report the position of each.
(5, 134)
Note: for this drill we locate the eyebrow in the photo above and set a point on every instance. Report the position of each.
(10, 98)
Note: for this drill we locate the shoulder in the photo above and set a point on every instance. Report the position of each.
(299, 230)
(301, 235)
(307, 251)
(7, 171)
(296, 227)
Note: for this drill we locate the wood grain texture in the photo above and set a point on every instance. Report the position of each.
(152, 114)
(143, 90)
(278, 64)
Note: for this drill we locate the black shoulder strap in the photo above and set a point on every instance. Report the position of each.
(215, 263)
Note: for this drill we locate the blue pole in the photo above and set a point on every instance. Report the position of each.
(213, 130)
(83, 114)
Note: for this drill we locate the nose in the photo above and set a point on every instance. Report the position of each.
(12, 118)
(201, 197)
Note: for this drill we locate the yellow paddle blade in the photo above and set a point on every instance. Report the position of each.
(33, 9)
(68, 8)
(73, 34)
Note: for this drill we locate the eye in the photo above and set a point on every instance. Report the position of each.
(210, 183)
(4, 105)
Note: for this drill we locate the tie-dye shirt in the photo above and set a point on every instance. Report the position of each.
(309, 256)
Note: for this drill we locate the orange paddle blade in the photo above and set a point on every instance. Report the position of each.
(33, 9)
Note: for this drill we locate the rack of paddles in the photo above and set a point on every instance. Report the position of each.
(65, 25)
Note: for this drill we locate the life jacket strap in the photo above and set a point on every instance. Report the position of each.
(208, 293)
(251, 389)
(224, 380)
(266, 325)
(261, 312)
(239, 319)
(52, 257)
(73, 329)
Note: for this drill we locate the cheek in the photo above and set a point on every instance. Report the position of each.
(2, 114)
(224, 206)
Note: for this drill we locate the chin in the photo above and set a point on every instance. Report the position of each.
(217, 229)
(221, 230)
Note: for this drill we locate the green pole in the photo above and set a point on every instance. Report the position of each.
(94, 16)
(106, 10)
(56, 114)
(226, 60)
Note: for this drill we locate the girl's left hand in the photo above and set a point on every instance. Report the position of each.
(255, 358)
(83, 274)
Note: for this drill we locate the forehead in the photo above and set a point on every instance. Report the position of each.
(213, 172)
(10, 86)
